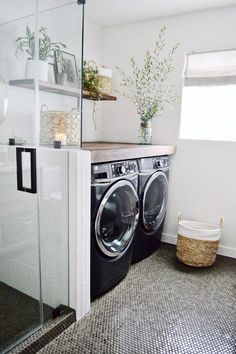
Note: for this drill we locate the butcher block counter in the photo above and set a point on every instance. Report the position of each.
(104, 152)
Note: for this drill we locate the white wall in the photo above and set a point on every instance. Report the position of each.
(93, 50)
(202, 179)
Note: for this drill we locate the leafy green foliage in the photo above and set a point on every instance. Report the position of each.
(90, 76)
(90, 83)
(147, 86)
(47, 48)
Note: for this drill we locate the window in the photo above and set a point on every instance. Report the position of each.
(209, 96)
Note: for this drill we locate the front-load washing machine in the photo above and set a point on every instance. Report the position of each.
(114, 217)
(153, 192)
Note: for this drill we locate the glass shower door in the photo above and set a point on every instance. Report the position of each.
(34, 232)
(20, 289)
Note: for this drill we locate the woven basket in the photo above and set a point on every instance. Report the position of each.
(197, 243)
(54, 122)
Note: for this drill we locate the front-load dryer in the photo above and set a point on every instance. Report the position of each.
(153, 193)
(114, 217)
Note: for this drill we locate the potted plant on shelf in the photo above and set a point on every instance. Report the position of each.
(148, 87)
(90, 76)
(47, 48)
(90, 83)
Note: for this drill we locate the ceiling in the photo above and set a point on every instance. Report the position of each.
(116, 12)
(12, 10)
(112, 12)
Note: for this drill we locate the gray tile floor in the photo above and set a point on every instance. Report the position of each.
(161, 307)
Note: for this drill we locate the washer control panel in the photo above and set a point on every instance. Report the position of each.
(160, 162)
(123, 168)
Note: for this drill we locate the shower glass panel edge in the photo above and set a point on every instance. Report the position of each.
(20, 287)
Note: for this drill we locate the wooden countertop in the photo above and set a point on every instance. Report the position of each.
(104, 152)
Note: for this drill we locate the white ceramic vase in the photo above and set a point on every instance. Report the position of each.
(31, 69)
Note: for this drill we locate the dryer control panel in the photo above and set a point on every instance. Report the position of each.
(160, 162)
(123, 168)
(108, 171)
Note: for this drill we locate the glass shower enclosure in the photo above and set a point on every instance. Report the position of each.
(40, 69)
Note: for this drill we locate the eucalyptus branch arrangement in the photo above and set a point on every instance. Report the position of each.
(147, 86)
(26, 44)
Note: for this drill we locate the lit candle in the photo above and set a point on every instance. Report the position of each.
(61, 137)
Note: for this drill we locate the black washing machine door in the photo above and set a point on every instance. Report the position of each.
(154, 201)
(116, 218)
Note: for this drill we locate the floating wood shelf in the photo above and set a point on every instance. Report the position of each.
(47, 87)
(96, 97)
(60, 90)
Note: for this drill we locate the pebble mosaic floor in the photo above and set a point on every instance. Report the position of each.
(161, 307)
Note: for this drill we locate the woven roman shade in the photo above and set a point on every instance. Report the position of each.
(210, 68)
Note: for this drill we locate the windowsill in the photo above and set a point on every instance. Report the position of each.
(207, 140)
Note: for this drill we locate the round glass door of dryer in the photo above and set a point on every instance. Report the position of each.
(154, 201)
(117, 218)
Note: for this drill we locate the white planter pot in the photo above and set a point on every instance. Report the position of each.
(32, 66)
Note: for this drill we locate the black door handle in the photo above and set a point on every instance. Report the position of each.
(33, 170)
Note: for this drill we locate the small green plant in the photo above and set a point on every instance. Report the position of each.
(90, 76)
(90, 83)
(147, 86)
(47, 48)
